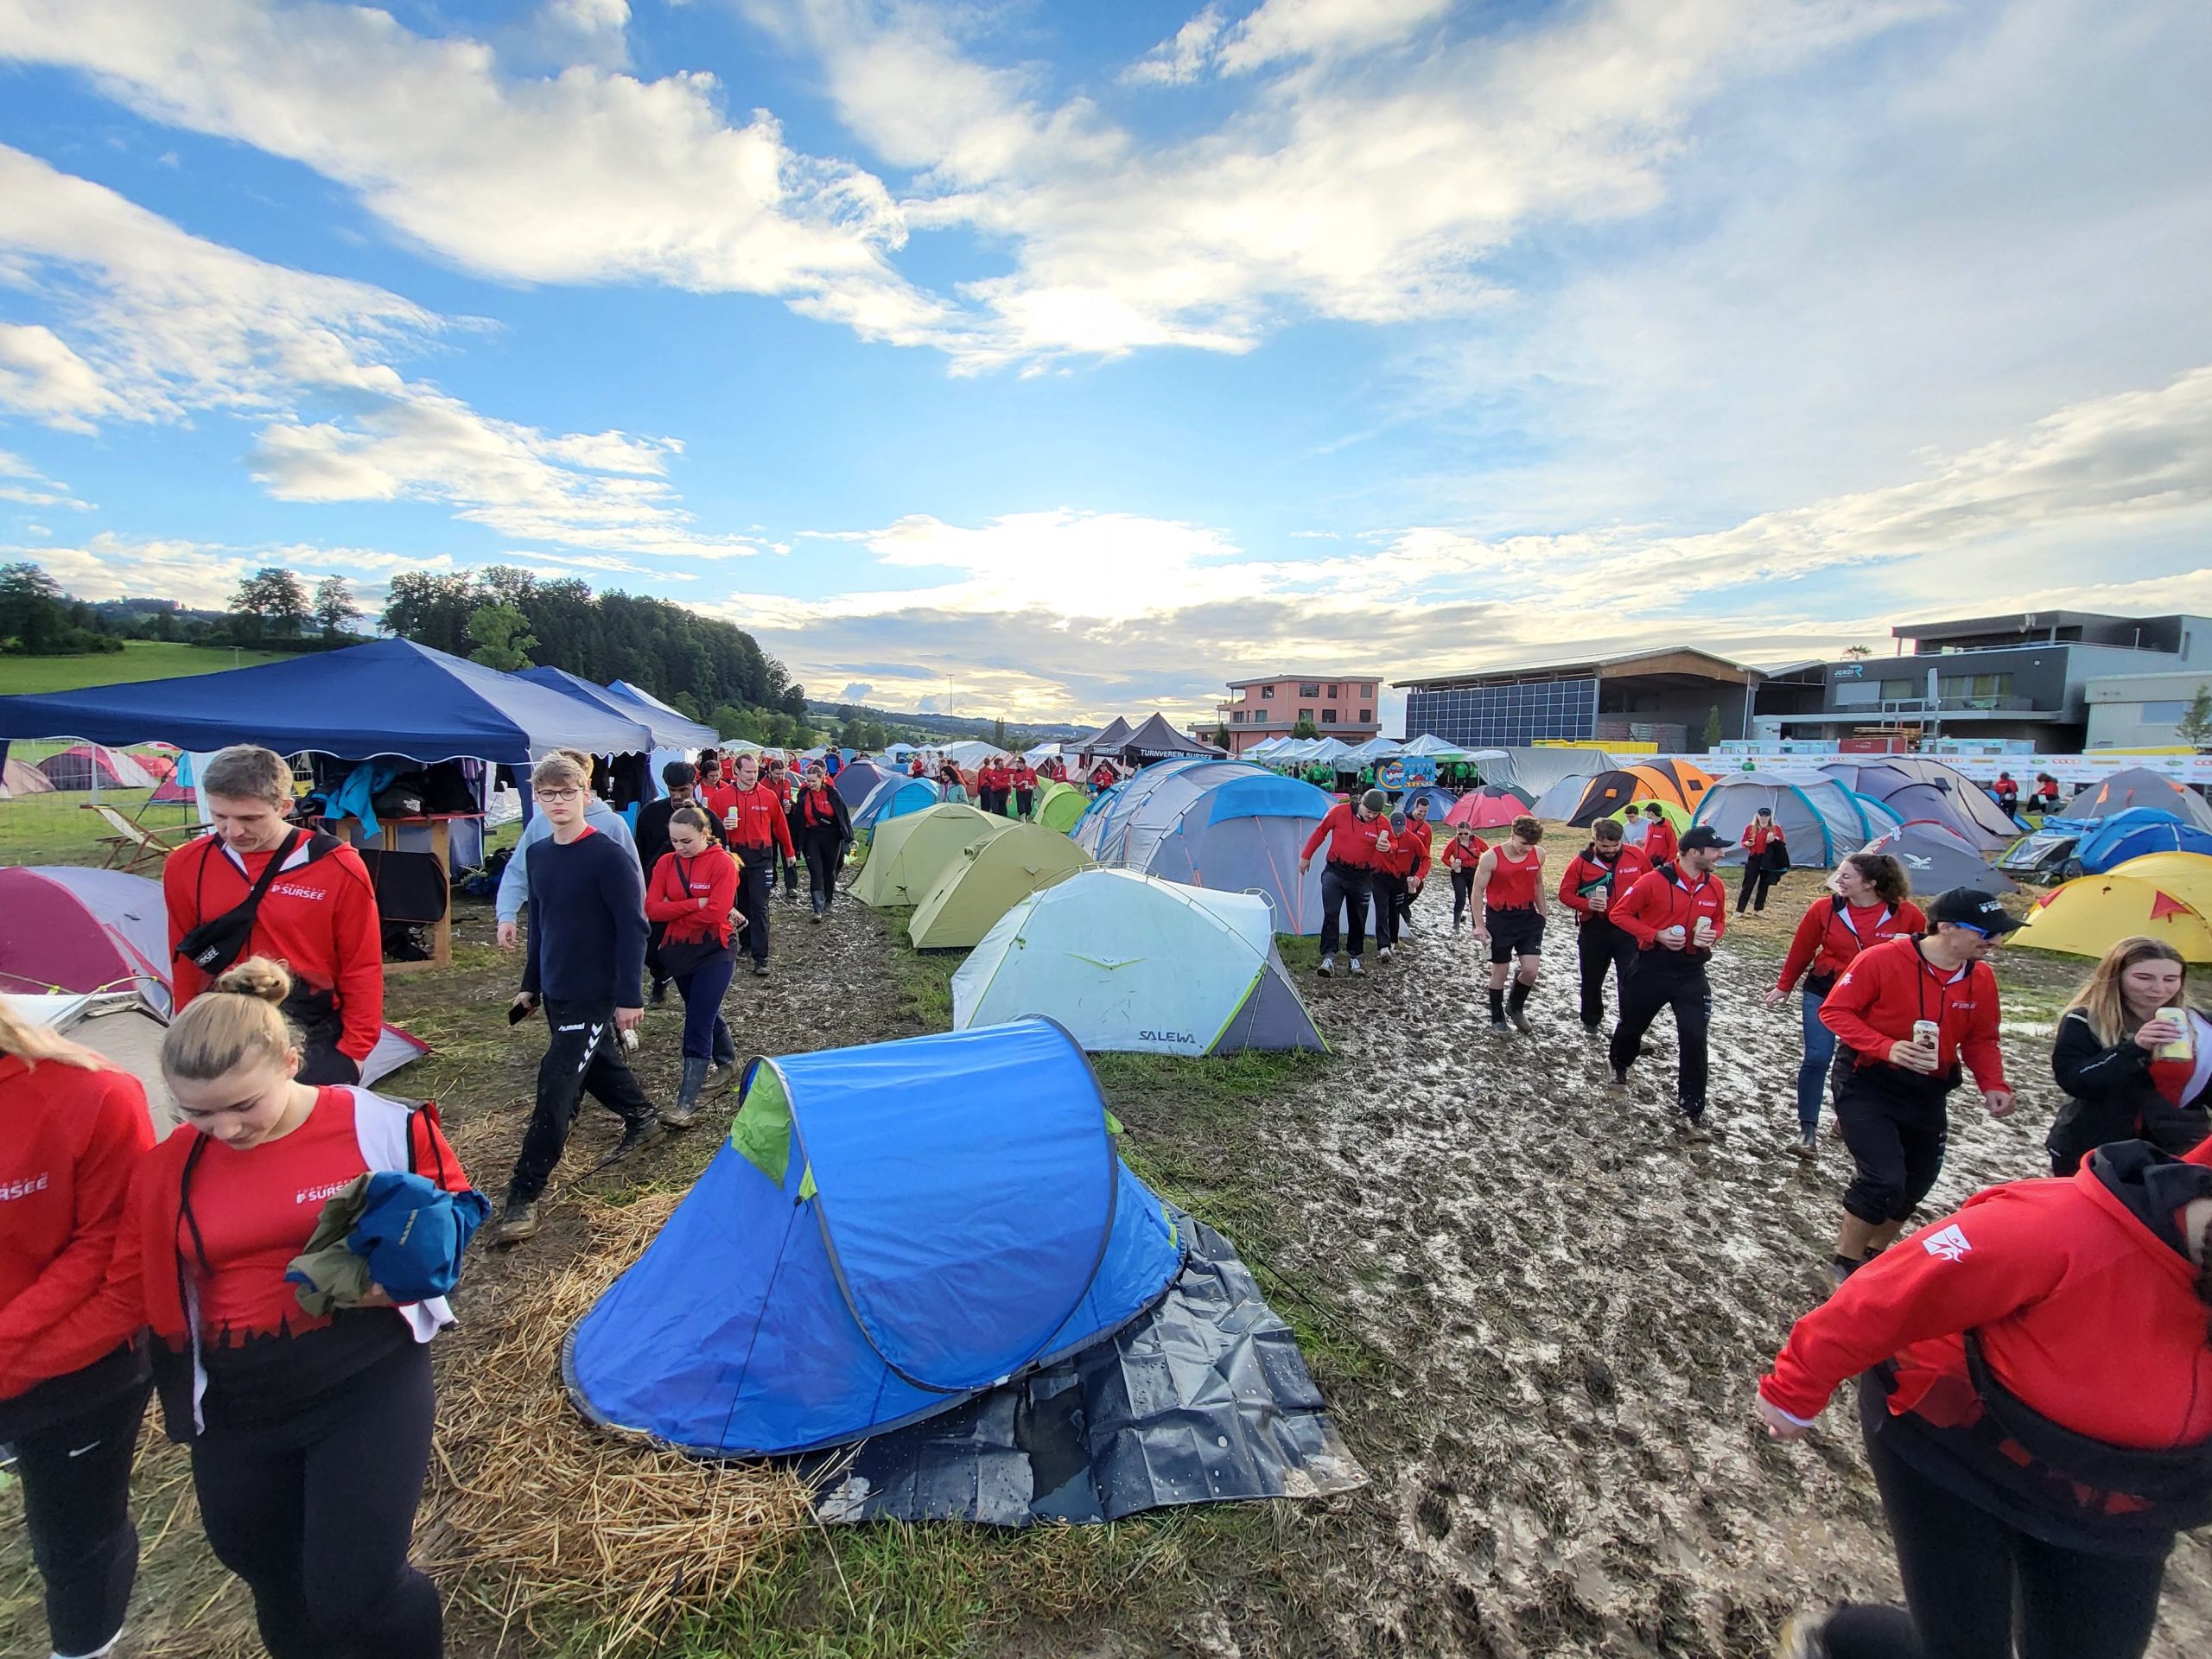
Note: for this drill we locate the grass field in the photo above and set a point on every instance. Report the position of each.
(141, 660)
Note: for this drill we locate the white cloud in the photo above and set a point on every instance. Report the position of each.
(42, 378)
(1281, 30)
(586, 176)
(166, 323)
(1183, 56)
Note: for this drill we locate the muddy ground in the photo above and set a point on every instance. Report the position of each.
(1537, 1316)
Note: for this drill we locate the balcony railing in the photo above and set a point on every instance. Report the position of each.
(1940, 706)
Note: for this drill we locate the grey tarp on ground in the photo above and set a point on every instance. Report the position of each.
(1205, 1400)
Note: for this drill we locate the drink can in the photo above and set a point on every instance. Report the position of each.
(2181, 1050)
(1927, 1034)
(1702, 933)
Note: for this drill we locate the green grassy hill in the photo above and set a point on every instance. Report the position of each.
(142, 660)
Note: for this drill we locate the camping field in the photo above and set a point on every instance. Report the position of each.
(141, 660)
(1536, 1318)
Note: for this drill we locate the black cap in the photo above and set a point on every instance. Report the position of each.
(1699, 835)
(1972, 907)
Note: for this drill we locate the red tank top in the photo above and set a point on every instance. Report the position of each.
(1512, 881)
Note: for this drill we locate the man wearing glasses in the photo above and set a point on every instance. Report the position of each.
(514, 880)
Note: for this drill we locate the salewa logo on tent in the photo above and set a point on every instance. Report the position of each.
(1165, 1037)
(1950, 1243)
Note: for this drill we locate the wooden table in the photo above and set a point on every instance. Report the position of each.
(348, 829)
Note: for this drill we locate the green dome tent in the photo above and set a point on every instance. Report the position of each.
(1059, 806)
(986, 879)
(906, 854)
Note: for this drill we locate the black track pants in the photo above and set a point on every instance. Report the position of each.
(1343, 889)
(1975, 1585)
(317, 1522)
(822, 852)
(1599, 945)
(585, 1057)
(1463, 891)
(1897, 1127)
(756, 885)
(76, 1478)
(1666, 979)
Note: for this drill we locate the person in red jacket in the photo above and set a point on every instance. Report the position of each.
(914, 767)
(1660, 845)
(318, 915)
(1871, 902)
(1461, 855)
(1905, 1014)
(822, 827)
(1676, 913)
(1023, 781)
(1509, 912)
(1399, 877)
(1359, 839)
(309, 1431)
(2035, 1397)
(761, 836)
(1103, 777)
(1595, 878)
(74, 1379)
(693, 894)
(1766, 860)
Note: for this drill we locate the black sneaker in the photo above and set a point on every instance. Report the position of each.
(647, 1132)
(760, 971)
(1618, 1080)
(517, 1221)
(658, 997)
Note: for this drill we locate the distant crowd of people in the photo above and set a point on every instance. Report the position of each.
(2036, 1376)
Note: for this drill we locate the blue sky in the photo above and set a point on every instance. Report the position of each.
(1079, 358)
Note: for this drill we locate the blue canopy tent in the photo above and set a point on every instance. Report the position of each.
(887, 1232)
(669, 729)
(388, 697)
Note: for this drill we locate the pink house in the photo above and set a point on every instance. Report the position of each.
(1339, 705)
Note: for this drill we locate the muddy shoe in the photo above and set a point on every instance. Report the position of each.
(1804, 1637)
(1356, 970)
(1695, 1134)
(1618, 1080)
(1328, 966)
(658, 997)
(1520, 1018)
(1807, 1146)
(517, 1221)
(680, 1115)
(760, 971)
(650, 1132)
(1384, 955)
(1498, 1022)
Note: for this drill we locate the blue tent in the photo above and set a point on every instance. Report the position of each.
(669, 729)
(1440, 800)
(2131, 833)
(895, 797)
(887, 1232)
(389, 698)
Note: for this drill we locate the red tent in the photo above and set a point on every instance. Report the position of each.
(17, 778)
(88, 763)
(1491, 807)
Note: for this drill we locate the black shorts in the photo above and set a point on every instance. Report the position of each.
(1514, 934)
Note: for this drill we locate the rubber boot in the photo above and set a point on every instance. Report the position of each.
(687, 1094)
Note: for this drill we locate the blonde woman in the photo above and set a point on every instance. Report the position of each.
(309, 1432)
(2130, 1073)
(73, 1378)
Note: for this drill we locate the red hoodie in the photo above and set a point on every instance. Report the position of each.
(69, 1139)
(1409, 850)
(1755, 838)
(678, 882)
(1890, 985)
(319, 917)
(1584, 870)
(1665, 898)
(1660, 845)
(1351, 838)
(1464, 855)
(1831, 934)
(2082, 1313)
(755, 818)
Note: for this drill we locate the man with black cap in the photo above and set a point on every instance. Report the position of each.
(1676, 913)
(1906, 1013)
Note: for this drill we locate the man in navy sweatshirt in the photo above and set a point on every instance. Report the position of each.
(584, 961)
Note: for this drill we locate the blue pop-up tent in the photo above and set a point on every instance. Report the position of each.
(887, 1232)
(669, 729)
(388, 697)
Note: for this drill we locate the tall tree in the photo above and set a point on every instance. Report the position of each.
(274, 596)
(502, 638)
(34, 610)
(333, 606)
(1712, 727)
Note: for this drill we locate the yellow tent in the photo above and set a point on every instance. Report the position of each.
(2188, 876)
(2089, 915)
(906, 854)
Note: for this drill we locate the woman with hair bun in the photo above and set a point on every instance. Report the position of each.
(1870, 901)
(310, 1432)
(74, 1379)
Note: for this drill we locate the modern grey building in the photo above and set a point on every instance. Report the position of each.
(2142, 711)
(2025, 675)
(1668, 698)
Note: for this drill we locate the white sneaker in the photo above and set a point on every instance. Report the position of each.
(1384, 955)
(1356, 967)
(1328, 966)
